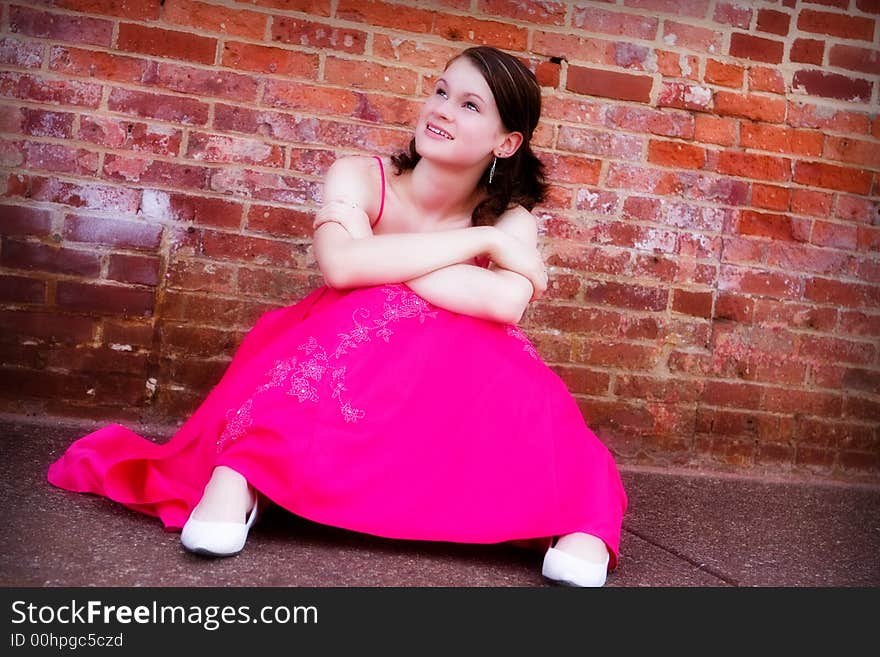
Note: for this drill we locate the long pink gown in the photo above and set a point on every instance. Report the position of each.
(376, 411)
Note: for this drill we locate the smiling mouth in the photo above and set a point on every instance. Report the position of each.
(438, 131)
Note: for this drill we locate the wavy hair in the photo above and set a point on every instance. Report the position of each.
(518, 179)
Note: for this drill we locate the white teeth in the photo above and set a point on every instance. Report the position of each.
(438, 131)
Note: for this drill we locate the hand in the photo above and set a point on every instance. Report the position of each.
(508, 252)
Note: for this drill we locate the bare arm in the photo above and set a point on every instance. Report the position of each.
(350, 256)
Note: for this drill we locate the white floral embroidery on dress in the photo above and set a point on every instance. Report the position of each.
(516, 332)
(400, 303)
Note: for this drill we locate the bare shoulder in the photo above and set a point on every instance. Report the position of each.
(354, 179)
(520, 223)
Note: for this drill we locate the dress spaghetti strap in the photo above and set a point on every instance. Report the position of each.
(382, 202)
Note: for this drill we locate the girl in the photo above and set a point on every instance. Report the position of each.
(399, 399)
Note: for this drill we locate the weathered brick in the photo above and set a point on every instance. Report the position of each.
(780, 139)
(279, 221)
(200, 276)
(128, 135)
(685, 96)
(836, 350)
(164, 206)
(52, 326)
(657, 122)
(758, 108)
(43, 123)
(412, 19)
(839, 25)
(848, 295)
(56, 92)
(760, 283)
(112, 232)
(795, 315)
(771, 197)
(20, 289)
(692, 8)
(370, 75)
(691, 37)
(264, 59)
(129, 169)
(853, 151)
(623, 355)
(734, 14)
(832, 85)
(311, 34)
(144, 10)
(599, 142)
(199, 82)
(166, 43)
(102, 197)
(829, 176)
(415, 53)
(482, 32)
(677, 65)
(807, 51)
(726, 75)
(855, 59)
(715, 130)
(24, 220)
(752, 165)
(572, 169)
(676, 154)
(609, 84)
(774, 226)
(805, 115)
(88, 63)
(837, 236)
(697, 304)
(801, 257)
(60, 27)
(213, 18)
(59, 158)
(762, 78)
(156, 106)
(810, 202)
(20, 53)
(858, 209)
(756, 48)
(219, 148)
(577, 111)
(738, 394)
(617, 23)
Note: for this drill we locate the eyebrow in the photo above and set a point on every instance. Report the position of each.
(470, 93)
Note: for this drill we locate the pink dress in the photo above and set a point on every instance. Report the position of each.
(376, 411)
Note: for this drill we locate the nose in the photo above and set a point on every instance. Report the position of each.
(442, 109)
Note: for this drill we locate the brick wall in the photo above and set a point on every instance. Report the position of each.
(713, 225)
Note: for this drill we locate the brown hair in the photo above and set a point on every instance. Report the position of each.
(518, 179)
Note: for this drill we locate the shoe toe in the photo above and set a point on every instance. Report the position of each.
(567, 569)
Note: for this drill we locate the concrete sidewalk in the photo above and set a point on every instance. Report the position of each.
(680, 530)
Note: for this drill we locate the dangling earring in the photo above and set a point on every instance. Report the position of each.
(492, 169)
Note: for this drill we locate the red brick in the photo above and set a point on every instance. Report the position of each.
(628, 55)
(727, 75)
(24, 220)
(854, 151)
(848, 295)
(838, 236)
(733, 14)
(59, 158)
(130, 169)
(487, 33)
(810, 202)
(409, 19)
(676, 154)
(786, 400)
(829, 176)
(245, 248)
(755, 48)
(839, 25)
(652, 121)
(774, 22)
(859, 323)
(771, 197)
(609, 84)
(868, 462)
(212, 18)
(625, 296)
(263, 59)
(836, 350)
(800, 257)
(163, 206)
(693, 8)
(832, 85)
(38, 90)
(104, 299)
(869, 238)
(855, 59)
(685, 96)
(102, 197)
(53, 326)
(806, 115)
(370, 75)
(42, 257)
(752, 165)
(617, 23)
(855, 208)
(807, 51)
(144, 10)
(861, 408)
(60, 27)
(200, 82)
(23, 54)
(43, 123)
(156, 106)
(19, 289)
(759, 283)
(780, 139)
(840, 4)
(572, 169)
(112, 232)
(623, 355)
(766, 79)
(774, 226)
(88, 63)
(714, 130)
(129, 135)
(599, 142)
(596, 201)
(293, 95)
(166, 43)
(862, 379)
(415, 53)
(692, 37)
(279, 221)
(317, 35)
(219, 148)
(739, 395)
(311, 7)
(697, 304)
(548, 74)
(795, 315)
(201, 276)
(868, 6)
(133, 269)
(753, 107)
(677, 65)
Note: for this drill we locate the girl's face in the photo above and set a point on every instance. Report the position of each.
(459, 122)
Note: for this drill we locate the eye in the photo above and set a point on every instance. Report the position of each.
(471, 106)
(440, 92)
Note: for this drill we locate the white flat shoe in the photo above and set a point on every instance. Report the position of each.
(569, 570)
(217, 539)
